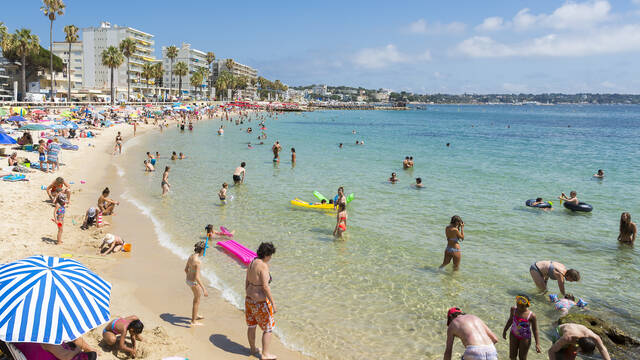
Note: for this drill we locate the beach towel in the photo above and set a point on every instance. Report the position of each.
(15, 177)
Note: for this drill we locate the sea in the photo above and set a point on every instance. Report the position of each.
(378, 292)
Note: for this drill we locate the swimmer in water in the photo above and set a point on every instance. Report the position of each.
(599, 174)
(174, 156)
(405, 163)
(293, 155)
(573, 199)
(418, 183)
(394, 178)
(340, 146)
(165, 181)
(181, 156)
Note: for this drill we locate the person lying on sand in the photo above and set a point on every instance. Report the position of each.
(116, 332)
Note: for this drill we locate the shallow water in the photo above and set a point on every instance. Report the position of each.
(378, 292)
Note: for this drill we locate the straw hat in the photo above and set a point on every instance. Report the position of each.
(109, 238)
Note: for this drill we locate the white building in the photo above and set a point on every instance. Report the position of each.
(97, 76)
(319, 89)
(195, 59)
(6, 93)
(61, 50)
(220, 66)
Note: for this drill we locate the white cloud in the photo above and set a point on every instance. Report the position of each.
(637, 2)
(571, 15)
(603, 41)
(422, 27)
(492, 24)
(376, 58)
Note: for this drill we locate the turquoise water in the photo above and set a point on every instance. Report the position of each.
(378, 292)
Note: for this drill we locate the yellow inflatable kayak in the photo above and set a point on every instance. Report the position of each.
(305, 204)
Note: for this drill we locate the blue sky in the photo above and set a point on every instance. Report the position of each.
(421, 46)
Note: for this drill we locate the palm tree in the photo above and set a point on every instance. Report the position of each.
(211, 57)
(205, 76)
(229, 64)
(112, 58)
(180, 70)
(24, 43)
(147, 72)
(71, 36)
(52, 9)
(3, 32)
(158, 72)
(128, 47)
(172, 53)
(196, 80)
(222, 82)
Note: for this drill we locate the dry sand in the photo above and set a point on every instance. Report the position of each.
(148, 282)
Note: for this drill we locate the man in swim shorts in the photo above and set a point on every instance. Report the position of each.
(276, 151)
(572, 339)
(238, 174)
(475, 335)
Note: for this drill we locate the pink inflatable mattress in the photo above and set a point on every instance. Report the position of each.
(238, 250)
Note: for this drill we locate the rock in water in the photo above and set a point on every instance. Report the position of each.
(618, 343)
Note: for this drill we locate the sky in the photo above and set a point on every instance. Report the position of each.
(427, 46)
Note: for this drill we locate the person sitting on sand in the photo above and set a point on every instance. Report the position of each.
(240, 171)
(13, 159)
(111, 244)
(222, 194)
(165, 181)
(455, 234)
(394, 178)
(599, 174)
(418, 183)
(475, 336)
(572, 199)
(192, 269)
(58, 215)
(93, 216)
(59, 186)
(542, 271)
(259, 305)
(628, 229)
(117, 329)
(523, 323)
(341, 220)
(571, 339)
(148, 167)
(105, 204)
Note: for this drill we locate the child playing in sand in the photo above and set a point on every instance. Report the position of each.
(117, 329)
(111, 244)
(522, 322)
(222, 194)
(93, 216)
(58, 215)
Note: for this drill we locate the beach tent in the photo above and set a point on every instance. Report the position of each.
(6, 139)
(50, 300)
(16, 119)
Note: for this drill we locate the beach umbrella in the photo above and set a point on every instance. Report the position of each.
(66, 114)
(19, 110)
(34, 127)
(70, 124)
(6, 139)
(50, 300)
(4, 112)
(16, 118)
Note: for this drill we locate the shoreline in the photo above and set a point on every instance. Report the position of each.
(151, 287)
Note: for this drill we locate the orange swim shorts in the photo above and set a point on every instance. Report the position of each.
(259, 313)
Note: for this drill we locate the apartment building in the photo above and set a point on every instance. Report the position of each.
(195, 59)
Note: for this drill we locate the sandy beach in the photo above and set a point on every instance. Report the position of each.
(148, 282)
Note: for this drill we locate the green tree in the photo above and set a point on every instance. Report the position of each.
(229, 64)
(196, 80)
(211, 57)
(3, 33)
(223, 82)
(204, 73)
(112, 58)
(158, 72)
(128, 48)
(71, 36)
(180, 70)
(172, 53)
(52, 9)
(147, 72)
(23, 43)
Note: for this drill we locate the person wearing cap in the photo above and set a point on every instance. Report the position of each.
(475, 336)
(93, 216)
(111, 244)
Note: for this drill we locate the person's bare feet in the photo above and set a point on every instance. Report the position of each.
(196, 323)
(268, 357)
(255, 352)
(200, 317)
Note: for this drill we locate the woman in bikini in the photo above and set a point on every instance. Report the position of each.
(105, 204)
(259, 305)
(542, 271)
(192, 269)
(118, 146)
(165, 181)
(523, 323)
(117, 329)
(455, 234)
(628, 229)
(341, 220)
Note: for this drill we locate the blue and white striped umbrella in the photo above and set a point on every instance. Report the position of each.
(50, 300)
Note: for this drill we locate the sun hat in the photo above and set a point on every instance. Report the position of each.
(109, 238)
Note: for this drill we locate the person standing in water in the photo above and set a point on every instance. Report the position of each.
(475, 335)
(258, 303)
(238, 174)
(455, 234)
(276, 151)
(542, 271)
(194, 281)
(293, 155)
(523, 323)
(165, 181)
(628, 229)
(572, 339)
(341, 198)
(341, 220)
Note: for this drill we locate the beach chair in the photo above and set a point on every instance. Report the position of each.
(11, 351)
